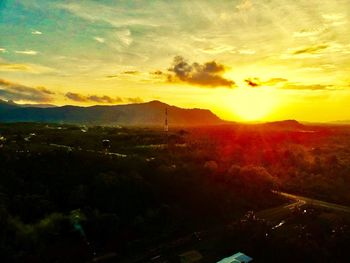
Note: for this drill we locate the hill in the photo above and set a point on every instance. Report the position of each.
(141, 114)
(285, 125)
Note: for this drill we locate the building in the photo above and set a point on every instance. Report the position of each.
(237, 258)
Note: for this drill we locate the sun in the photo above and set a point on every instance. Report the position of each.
(253, 104)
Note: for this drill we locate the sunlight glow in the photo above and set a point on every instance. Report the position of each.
(252, 104)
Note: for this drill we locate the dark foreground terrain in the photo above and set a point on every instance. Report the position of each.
(111, 194)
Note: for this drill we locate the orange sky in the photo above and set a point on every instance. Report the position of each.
(245, 60)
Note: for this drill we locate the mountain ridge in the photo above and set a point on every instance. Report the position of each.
(150, 113)
(143, 114)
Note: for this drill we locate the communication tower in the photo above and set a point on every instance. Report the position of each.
(166, 126)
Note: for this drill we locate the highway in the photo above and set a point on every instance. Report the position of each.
(71, 148)
(315, 202)
(280, 212)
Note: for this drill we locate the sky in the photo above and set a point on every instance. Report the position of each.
(245, 60)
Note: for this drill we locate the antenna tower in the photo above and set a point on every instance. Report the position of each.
(166, 126)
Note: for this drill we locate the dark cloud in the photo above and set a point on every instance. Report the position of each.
(157, 72)
(128, 72)
(104, 99)
(134, 100)
(100, 99)
(207, 74)
(256, 82)
(131, 72)
(112, 76)
(92, 98)
(45, 90)
(14, 91)
(310, 50)
(76, 97)
(253, 82)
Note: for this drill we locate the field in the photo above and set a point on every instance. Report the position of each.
(115, 194)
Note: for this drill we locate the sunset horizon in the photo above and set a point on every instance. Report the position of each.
(243, 60)
(166, 105)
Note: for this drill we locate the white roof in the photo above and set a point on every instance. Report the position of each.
(237, 258)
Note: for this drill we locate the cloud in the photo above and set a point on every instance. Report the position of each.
(311, 69)
(135, 100)
(124, 74)
(218, 49)
(208, 74)
(274, 81)
(131, 72)
(335, 19)
(157, 73)
(104, 99)
(256, 82)
(112, 76)
(27, 52)
(76, 97)
(28, 68)
(36, 32)
(312, 32)
(245, 5)
(158, 76)
(315, 49)
(14, 91)
(253, 82)
(92, 98)
(246, 51)
(100, 39)
(283, 84)
(293, 86)
(125, 37)
(14, 67)
(335, 47)
(98, 12)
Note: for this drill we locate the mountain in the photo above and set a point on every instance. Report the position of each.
(37, 105)
(142, 114)
(286, 124)
(7, 105)
(342, 122)
(11, 103)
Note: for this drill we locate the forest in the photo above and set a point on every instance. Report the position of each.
(71, 193)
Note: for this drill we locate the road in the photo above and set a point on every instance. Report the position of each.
(315, 202)
(280, 212)
(71, 148)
